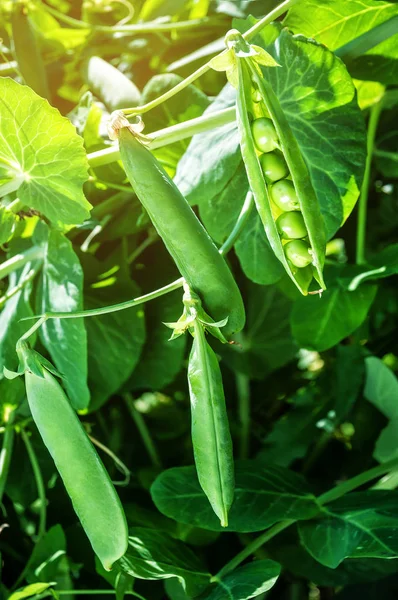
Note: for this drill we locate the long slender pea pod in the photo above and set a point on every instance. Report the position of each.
(29, 58)
(192, 249)
(298, 170)
(211, 437)
(87, 482)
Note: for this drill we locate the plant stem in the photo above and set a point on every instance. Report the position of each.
(375, 112)
(19, 260)
(351, 484)
(94, 312)
(243, 389)
(149, 27)
(95, 592)
(329, 496)
(239, 225)
(140, 110)
(252, 547)
(6, 452)
(149, 240)
(271, 16)
(143, 430)
(168, 135)
(39, 483)
(20, 285)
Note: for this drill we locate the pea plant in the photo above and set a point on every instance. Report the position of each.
(198, 309)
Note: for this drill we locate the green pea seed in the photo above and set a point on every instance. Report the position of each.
(274, 166)
(291, 225)
(284, 195)
(298, 253)
(264, 134)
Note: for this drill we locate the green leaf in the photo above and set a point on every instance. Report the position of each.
(161, 360)
(263, 496)
(8, 221)
(48, 560)
(197, 178)
(30, 590)
(348, 378)
(266, 344)
(362, 524)
(41, 156)
(115, 341)
(381, 387)
(318, 323)
(219, 213)
(155, 555)
(335, 23)
(11, 326)
(60, 290)
(248, 581)
(386, 445)
(287, 550)
(256, 257)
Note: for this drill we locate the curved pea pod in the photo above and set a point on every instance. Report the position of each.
(87, 482)
(109, 84)
(307, 199)
(29, 58)
(192, 249)
(211, 438)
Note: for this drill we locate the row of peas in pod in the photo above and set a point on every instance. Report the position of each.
(290, 222)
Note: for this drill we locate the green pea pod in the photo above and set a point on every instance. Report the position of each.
(110, 85)
(30, 61)
(307, 199)
(211, 437)
(193, 251)
(87, 482)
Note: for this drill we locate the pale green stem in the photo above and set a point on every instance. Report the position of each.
(333, 494)
(250, 33)
(375, 112)
(20, 285)
(119, 464)
(41, 491)
(143, 430)
(166, 136)
(19, 260)
(243, 389)
(6, 452)
(239, 225)
(96, 592)
(149, 240)
(94, 312)
(149, 27)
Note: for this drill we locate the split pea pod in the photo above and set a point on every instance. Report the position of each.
(87, 482)
(189, 244)
(287, 207)
(211, 437)
(29, 58)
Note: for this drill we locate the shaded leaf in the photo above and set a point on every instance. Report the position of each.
(155, 555)
(263, 496)
(246, 582)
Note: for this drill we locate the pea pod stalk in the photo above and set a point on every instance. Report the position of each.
(308, 203)
(192, 249)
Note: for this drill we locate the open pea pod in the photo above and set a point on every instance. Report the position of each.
(248, 73)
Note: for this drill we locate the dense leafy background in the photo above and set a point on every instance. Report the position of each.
(319, 374)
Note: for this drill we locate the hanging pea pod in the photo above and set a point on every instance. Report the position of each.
(29, 58)
(211, 438)
(189, 244)
(277, 173)
(86, 480)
